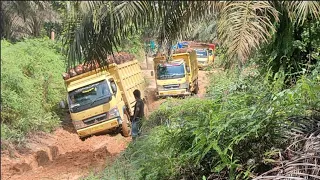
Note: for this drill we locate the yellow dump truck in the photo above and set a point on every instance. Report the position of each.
(97, 99)
(205, 53)
(177, 76)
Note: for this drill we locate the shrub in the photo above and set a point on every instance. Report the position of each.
(31, 87)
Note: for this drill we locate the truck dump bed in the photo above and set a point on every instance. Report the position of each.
(127, 75)
(130, 78)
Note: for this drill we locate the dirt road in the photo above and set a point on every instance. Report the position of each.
(62, 155)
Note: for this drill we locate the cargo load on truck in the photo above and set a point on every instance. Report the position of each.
(178, 75)
(100, 98)
(117, 58)
(182, 50)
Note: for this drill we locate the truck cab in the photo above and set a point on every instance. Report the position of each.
(95, 103)
(177, 76)
(205, 56)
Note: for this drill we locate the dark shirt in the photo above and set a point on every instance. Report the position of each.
(138, 110)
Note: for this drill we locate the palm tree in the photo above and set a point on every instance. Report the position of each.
(241, 26)
(101, 28)
(25, 18)
(204, 30)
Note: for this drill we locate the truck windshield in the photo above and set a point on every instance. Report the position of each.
(170, 71)
(201, 53)
(89, 96)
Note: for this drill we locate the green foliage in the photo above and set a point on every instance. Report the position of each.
(219, 58)
(31, 87)
(230, 134)
(134, 45)
(294, 48)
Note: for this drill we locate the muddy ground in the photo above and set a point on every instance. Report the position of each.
(62, 155)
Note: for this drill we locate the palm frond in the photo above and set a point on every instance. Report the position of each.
(305, 165)
(303, 155)
(94, 34)
(203, 30)
(302, 9)
(99, 28)
(243, 26)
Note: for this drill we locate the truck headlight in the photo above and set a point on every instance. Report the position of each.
(184, 85)
(78, 124)
(113, 113)
(160, 87)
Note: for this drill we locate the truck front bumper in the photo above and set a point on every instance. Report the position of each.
(98, 128)
(202, 65)
(172, 93)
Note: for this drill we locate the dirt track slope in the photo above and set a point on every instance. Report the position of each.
(61, 155)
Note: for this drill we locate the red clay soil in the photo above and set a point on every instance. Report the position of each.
(61, 155)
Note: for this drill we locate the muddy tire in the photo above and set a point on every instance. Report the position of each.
(196, 90)
(125, 128)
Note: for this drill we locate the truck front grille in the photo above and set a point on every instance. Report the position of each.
(171, 86)
(95, 119)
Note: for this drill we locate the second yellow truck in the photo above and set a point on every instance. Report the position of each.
(177, 76)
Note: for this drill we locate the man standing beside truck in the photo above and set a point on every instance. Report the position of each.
(138, 114)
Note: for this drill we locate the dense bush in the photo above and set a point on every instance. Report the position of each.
(232, 134)
(31, 87)
(294, 48)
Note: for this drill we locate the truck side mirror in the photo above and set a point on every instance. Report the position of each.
(113, 87)
(151, 73)
(188, 69)
(63, 105)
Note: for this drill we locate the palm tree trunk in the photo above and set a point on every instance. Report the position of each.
(309, 43)
(169, 45)
(52, 35)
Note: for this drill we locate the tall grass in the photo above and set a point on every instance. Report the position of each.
(232, 134)
(31, 87)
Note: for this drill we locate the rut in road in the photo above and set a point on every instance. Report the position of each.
(61, 155)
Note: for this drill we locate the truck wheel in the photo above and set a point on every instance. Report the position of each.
(125, 128)
(196, 90)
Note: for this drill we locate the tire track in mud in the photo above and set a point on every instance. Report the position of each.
(61, 155)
